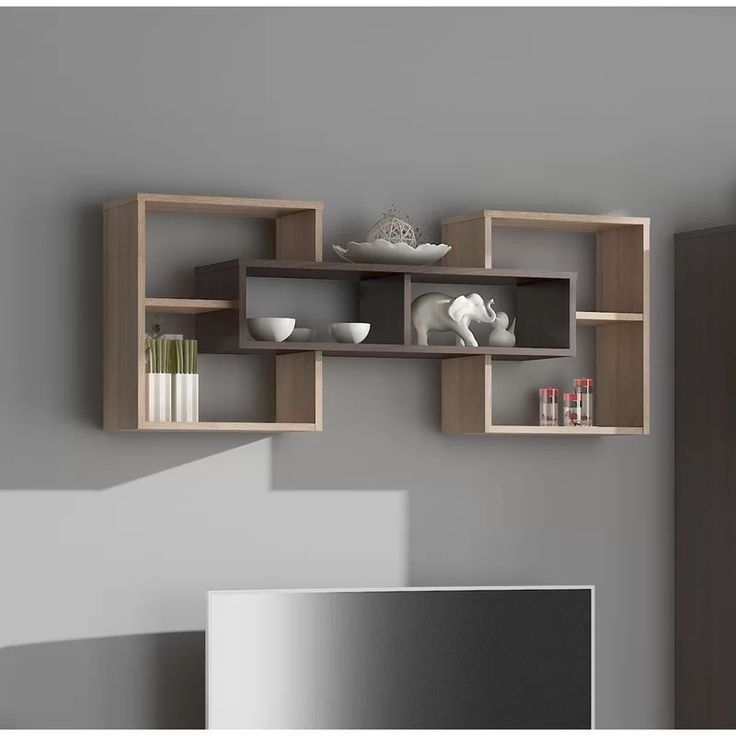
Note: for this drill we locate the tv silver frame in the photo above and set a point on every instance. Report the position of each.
(212, 594)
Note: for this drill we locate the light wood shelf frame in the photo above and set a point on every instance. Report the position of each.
(189, 306)
(621, 321)
(298, 375)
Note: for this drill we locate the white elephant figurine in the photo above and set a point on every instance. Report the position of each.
(502, 336)
(442, 313)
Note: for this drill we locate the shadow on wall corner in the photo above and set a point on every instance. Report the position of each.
(122, 682)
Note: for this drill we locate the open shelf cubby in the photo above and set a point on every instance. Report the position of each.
(620, 320)
(297, 405)
(383, 298)
(226, 293)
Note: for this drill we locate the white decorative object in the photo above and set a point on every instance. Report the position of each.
(354, 332)
(185, 395)
(399, 254)
(500, 336)
(442, 313)
(392, 228)
(158, 397)
(271, 329)
(301, 334)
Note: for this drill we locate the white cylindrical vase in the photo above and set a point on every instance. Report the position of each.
(186, 397)
(158, 397)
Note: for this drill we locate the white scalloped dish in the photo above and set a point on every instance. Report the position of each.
(397, 254)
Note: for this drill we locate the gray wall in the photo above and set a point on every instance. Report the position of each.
(109, 542)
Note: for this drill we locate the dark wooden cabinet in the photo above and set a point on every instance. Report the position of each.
(705, 469)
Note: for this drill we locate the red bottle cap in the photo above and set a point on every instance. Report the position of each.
(569, 396)
(583, 383)
(548, 391)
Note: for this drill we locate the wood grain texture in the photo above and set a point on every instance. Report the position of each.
(419, 274)
(470, 240)
(238, 206)
(299, 388)
(299, 236)
(705, 480)
(466, 395)
(561, 431)
(549, 220)
(620, 270)
(252, 427)
(593, 319)
(123, 316)
(622, 350)
(188, 306)
(619, 387)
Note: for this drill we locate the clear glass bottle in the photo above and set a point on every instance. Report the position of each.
(571, 409)
(549, 407)
(584, 390)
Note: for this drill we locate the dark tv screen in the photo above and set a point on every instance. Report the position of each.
(439, 658)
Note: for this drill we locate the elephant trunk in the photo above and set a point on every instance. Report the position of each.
(491, 311)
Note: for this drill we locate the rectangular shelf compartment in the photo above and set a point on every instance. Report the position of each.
(298, 376)
(384, 295)
(621, 320)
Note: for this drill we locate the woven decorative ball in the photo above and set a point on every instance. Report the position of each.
(394, 229)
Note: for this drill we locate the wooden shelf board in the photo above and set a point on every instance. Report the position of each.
(258, 427)
(561, 431)
(239, 206)
(550, 220)
(419, 274)
(188, 306)
(593, 319)
(372, 350)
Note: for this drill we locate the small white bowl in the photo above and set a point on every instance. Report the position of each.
(350, 331)
(301, 334)
(271, 329)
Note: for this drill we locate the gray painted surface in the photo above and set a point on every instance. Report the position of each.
(441, 111)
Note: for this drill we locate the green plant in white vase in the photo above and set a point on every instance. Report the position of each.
(185, 381)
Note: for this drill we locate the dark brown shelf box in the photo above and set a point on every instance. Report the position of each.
(544, 302)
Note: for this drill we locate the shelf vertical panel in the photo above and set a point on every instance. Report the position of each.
(620, 269)
(545, 314)
(466, 395)
(123, 315)
(381, 302)
(220, 332)
(299, 388)
(299, 236)
(470, 241)
(408, 336)
(622, 350)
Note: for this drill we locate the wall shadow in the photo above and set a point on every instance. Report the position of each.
(130, 682)
(60, 410)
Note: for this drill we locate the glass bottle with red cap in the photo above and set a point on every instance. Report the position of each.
(548, 407)
(584, 390)
(571, 409)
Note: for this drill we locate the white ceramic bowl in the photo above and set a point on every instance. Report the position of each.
(350, 331)
(301, 334)
(271, 329)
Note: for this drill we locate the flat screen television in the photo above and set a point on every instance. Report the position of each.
(401, 658)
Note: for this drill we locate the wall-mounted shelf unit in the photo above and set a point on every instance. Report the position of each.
(298, 401)
(545, 305)
(621, 321)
